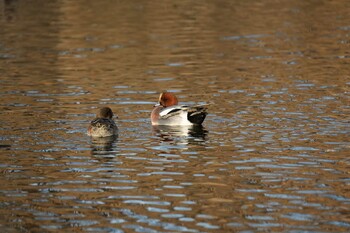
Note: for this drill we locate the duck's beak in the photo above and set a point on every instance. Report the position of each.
(156, 105)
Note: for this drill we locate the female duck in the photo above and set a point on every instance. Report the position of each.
(103, 125)
(168, 112)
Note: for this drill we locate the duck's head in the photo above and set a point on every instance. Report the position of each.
(105, 112)
(167, 99)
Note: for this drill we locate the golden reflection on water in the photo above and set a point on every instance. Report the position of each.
(271, 156)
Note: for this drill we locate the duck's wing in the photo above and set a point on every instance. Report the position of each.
(103, 122)
(193, 112)
(172, 111)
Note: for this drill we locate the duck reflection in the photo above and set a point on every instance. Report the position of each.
(10, 10)
(189, 133)
(103, 145)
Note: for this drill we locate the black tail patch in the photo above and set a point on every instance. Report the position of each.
(197, 114)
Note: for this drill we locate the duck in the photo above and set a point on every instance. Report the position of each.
(168, 112)
(103, 125)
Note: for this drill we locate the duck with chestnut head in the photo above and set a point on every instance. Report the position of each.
(168, 112)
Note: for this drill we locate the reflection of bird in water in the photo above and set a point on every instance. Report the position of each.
(103, 146)
(191, 133)
(168, 112)
(103, 125)
(10, 10)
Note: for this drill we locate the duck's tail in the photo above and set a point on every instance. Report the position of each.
(197, 114)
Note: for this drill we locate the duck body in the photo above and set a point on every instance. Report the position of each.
(168, 112)
(103, 125)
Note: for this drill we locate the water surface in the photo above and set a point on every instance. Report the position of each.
(272, 155)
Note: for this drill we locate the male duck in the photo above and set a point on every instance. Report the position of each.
(168, 112)
(103, 125)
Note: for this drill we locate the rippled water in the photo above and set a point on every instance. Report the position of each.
(272, 155)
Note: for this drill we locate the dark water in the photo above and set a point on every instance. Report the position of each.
(272, 155)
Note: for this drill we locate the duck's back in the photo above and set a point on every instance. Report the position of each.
(102, 127)
(182, 115)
